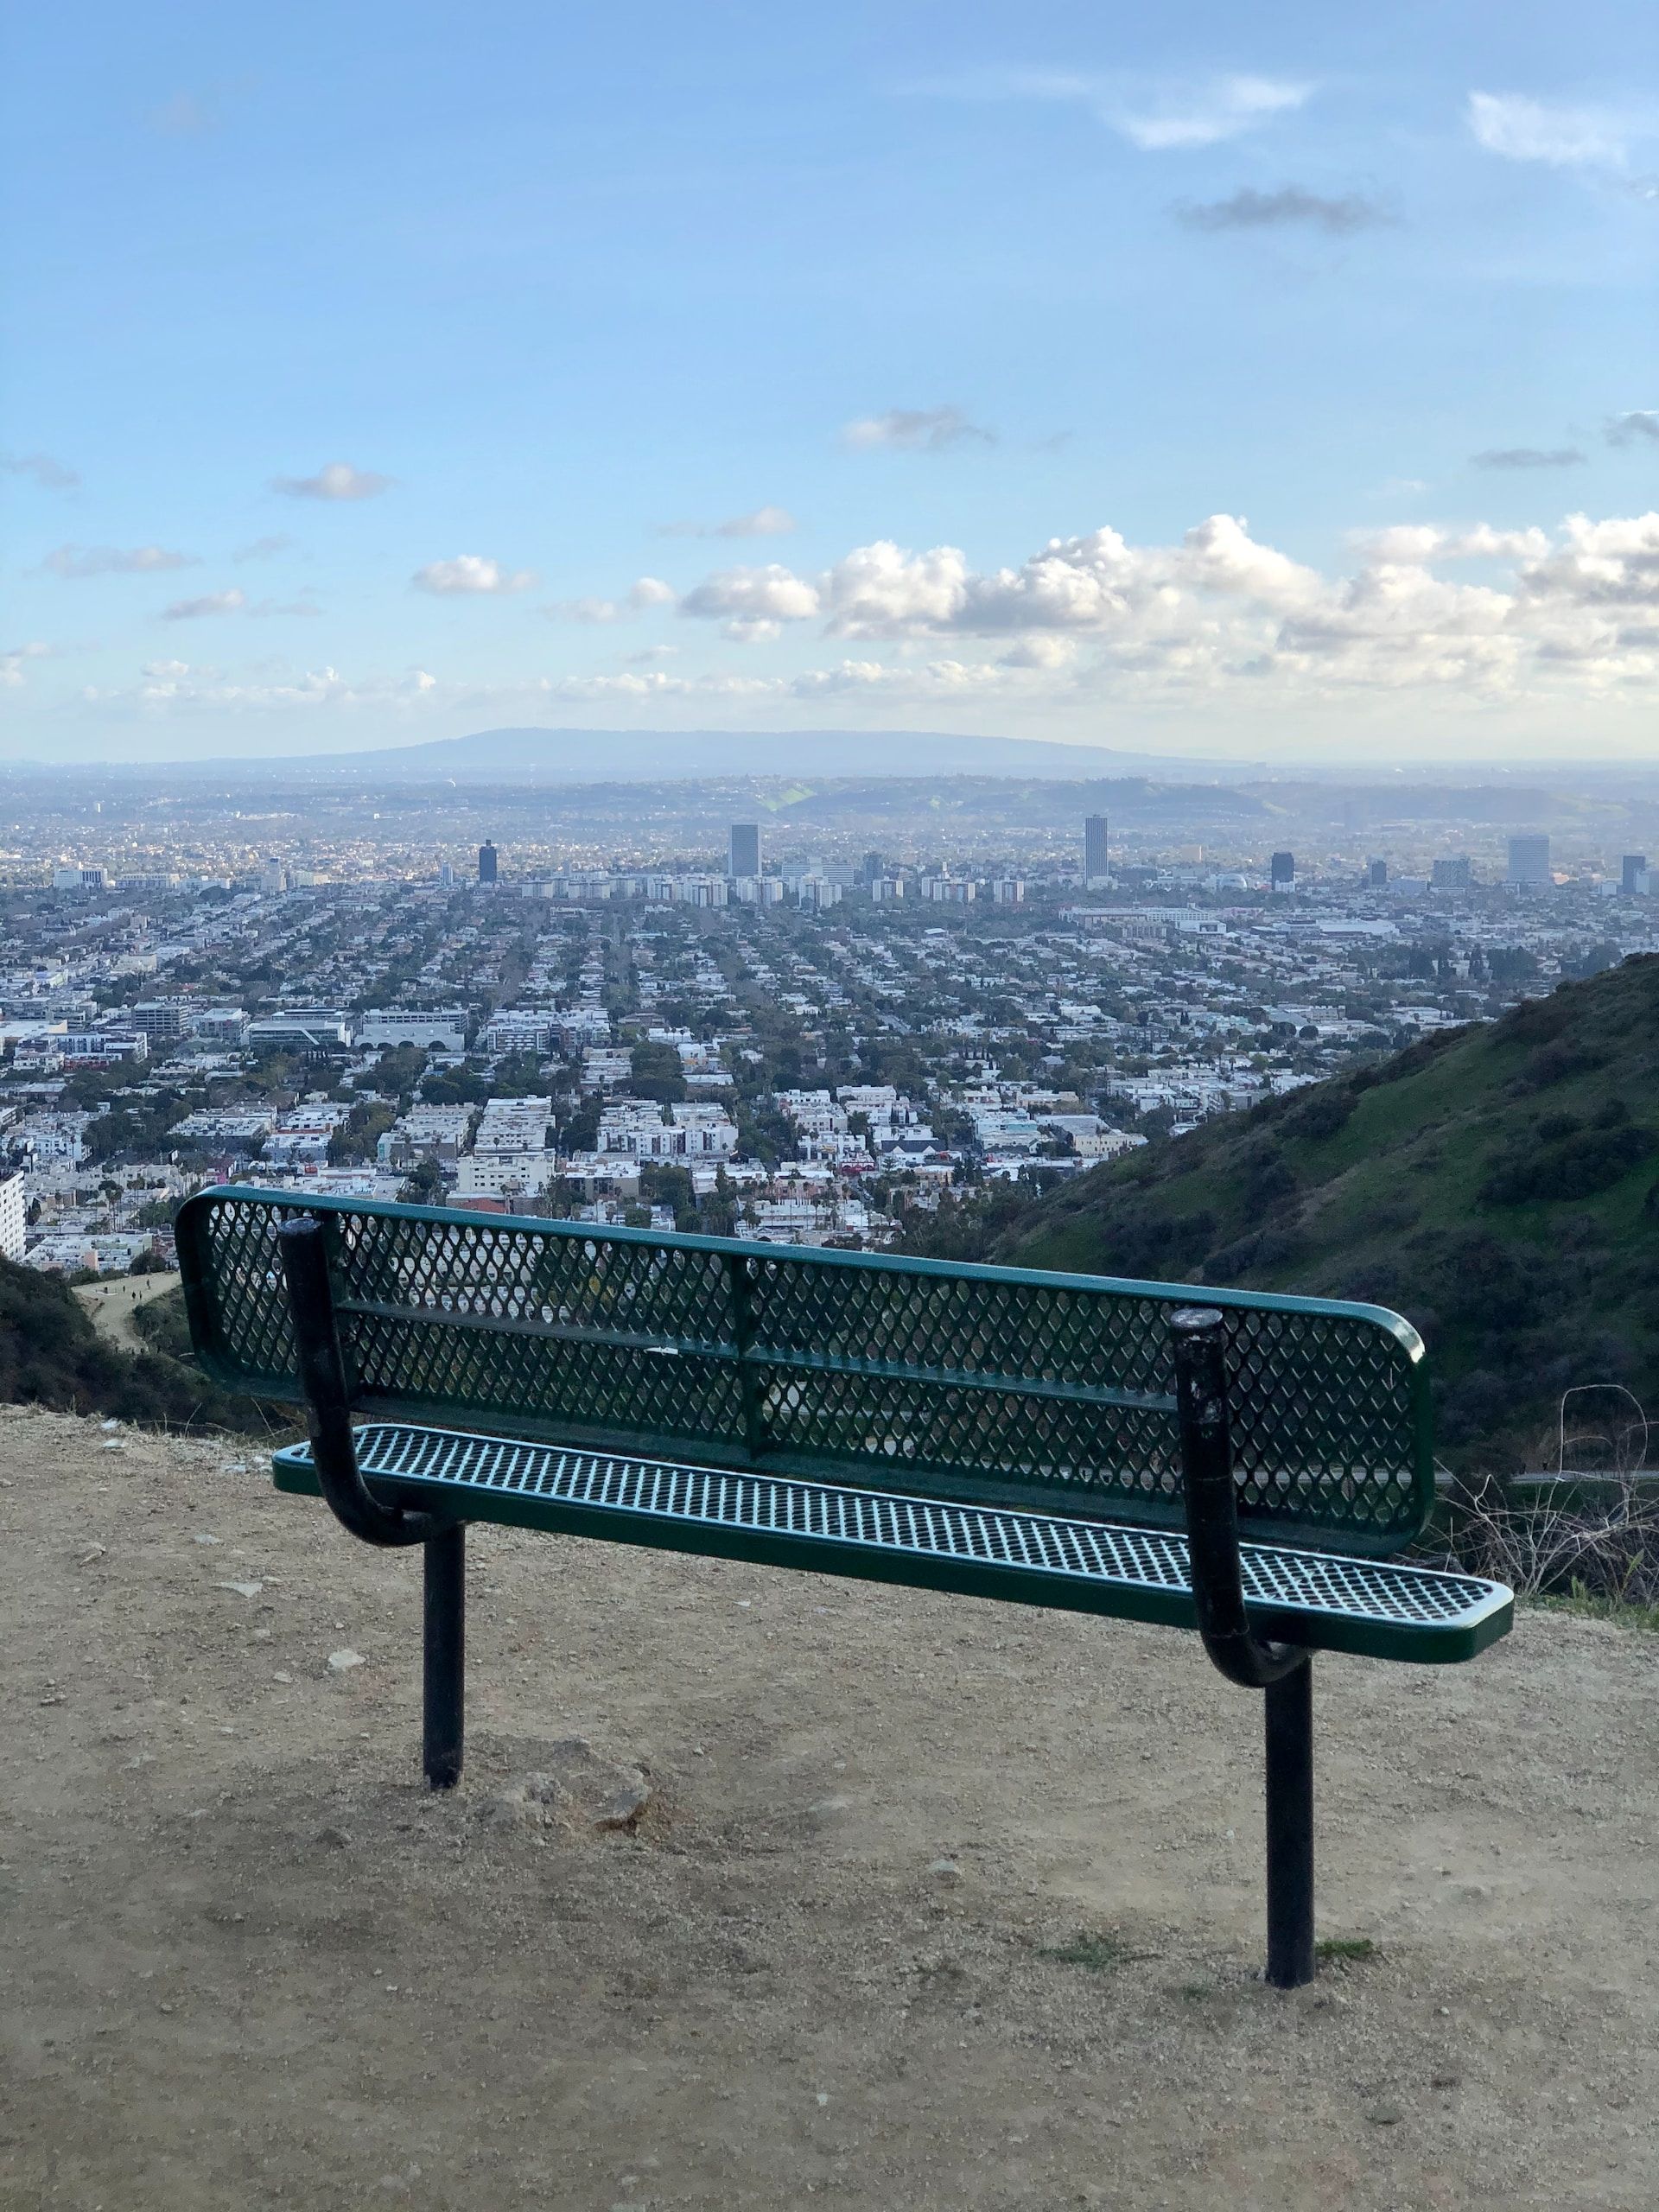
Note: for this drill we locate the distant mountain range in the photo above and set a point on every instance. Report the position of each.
(634, 756)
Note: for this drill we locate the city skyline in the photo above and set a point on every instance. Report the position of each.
(1270, 399)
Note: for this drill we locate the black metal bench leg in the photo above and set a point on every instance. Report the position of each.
(444, 1670)
(1283, 1673)
(1289, 1713)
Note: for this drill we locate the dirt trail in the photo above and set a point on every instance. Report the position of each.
(935, 1904)
(112, 1305)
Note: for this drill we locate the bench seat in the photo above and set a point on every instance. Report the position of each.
(1319, 1600)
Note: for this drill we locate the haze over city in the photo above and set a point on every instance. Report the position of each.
(1276, 390)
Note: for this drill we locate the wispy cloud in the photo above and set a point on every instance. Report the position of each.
(212, 602)
(13, 659)
(336, 480)
(51, 475)
(915, 430)
(1157, 115)
(1527, 457)
(644, 592)
(1522, 129)
(470, 574)
(1639, 426)
(764, 522)
(262, 549)
(78, 561)
(1205, 115)
(1248, 209)
(185, 115)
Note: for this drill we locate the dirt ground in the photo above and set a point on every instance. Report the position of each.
(933, 1904)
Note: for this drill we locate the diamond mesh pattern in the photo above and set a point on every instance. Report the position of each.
(990, 1384)
(1322, 1584)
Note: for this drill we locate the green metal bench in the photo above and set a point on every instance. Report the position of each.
(1241, 1467)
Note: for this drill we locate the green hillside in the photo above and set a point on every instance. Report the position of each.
(51, 1355)
(1498, 1185)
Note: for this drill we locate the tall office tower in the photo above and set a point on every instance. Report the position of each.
(743, 856)
(446, 876)
(1528, 863)
(486, 861)
(1451, 874)
(1096, 866)
(1633, 874)
(1283, 871)
(870, 869)
(1376, 874)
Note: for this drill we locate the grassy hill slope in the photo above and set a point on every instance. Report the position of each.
(1498, 1185)
(51, 1355)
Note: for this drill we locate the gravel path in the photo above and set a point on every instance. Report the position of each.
(930, 1904)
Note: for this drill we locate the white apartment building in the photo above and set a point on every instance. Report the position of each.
(14, 1209)
(434, 1029)
(519, 1029)
(637, 1129)
(513, 1128)
(299, 1029)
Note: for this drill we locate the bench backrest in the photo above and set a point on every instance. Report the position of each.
(998, 1384)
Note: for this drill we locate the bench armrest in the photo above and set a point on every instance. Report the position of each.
(303, 1243)
(1252, 1661)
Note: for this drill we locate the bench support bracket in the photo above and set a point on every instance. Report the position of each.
(1282, 1671)
(303, 1244)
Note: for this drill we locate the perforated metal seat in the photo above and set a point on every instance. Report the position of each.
(1318, 1599)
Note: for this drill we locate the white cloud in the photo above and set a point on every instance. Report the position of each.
(915, 430)
(51, 475)
(1157, 115)
(1205, 115)
(644, 592)
(336, 480)
(13, 659)
(471, 573)
(1221, 606)
(1419, 544)
(79, 560)
(751, 604)
(212, 602)
(1525, 129)
(1220, 626)
(764, 522)
(1614, 562)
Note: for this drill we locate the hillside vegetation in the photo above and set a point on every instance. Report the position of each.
(51, 1355)
(1499, 1185)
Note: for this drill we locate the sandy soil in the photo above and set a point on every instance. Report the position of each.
(934, 1903)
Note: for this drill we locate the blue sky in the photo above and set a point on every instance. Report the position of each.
(1273, 383)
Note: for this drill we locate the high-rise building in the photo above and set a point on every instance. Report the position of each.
(486, 861)
(1376, 874)
(1097, 868)
(446, 876)
(1282, 872)
(1451, 874)
(870, 869)
(1528, 863)
(1633, 874)
(744, 849)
